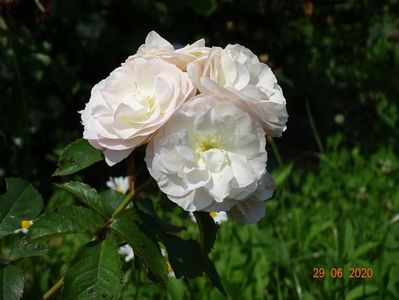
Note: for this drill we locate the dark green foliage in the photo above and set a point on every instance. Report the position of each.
(129, 226)
(189, 260)
(95, 273)
(11, 282)
(207, 229)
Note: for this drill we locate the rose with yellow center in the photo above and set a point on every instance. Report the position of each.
(211, 156)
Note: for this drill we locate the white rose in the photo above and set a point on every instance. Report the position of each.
(131, 104)
(156, 46)
(235, 74)
(210, 156)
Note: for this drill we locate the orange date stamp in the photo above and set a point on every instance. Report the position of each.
(352, 273)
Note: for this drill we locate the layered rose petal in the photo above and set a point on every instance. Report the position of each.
(235, 74)
(211, 156)
(131, 104)
(156, 46)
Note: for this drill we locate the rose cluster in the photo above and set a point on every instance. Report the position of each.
(204, 113)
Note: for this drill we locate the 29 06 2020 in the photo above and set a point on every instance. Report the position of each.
(352, 272)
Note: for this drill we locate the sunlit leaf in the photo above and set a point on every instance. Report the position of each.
(65, 220)
(77, 156)
(85, 194)
(22, 248)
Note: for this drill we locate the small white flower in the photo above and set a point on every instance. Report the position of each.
(131, 104)
(339, 119)
(210, 156)
(25, 224)
(127, 252)
(386, 166)
(119, 184)
(219, 217)
(394, 219)
(236, 74)
(156, 46)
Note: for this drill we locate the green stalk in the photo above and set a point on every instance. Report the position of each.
(313, 127)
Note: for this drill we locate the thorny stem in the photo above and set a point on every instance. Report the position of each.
(54, 288)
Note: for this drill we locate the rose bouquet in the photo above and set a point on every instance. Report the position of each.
(204, 113)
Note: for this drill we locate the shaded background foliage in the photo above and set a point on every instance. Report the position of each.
(340, 58)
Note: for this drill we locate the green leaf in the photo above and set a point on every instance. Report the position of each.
(185, 256)
(363, 249)
(361, 292)
(21, 202)
(11, 283)
(77, 156)
(282, 173)
(207, 229)
(153, 223)
(85, 194)
(111, 200)
(23, 248)
(188, 260)
(69, 219)
(129, 226)
(349, 242)
(95, 273)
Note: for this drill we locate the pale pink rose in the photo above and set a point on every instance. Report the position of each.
(131, 104)
(235, 74)
(156, 46)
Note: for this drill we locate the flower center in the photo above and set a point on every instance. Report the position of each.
(25, 224)
(208, 145)
(213, 214)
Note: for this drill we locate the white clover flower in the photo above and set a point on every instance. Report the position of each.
(127, 252)
(25, 224)
(236, 74)
(218, 217)
(131, 104)
(119, 184)
(156, 46)
(210, 156)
